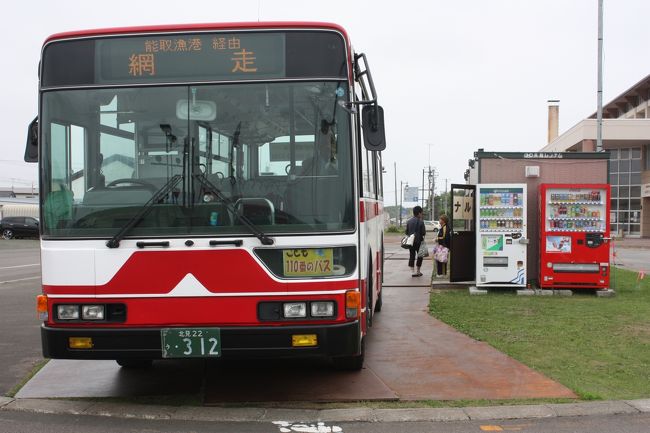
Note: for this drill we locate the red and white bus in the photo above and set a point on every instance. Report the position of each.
(208, 190)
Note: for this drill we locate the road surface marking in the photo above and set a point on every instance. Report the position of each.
(20, 266)
(20, 279)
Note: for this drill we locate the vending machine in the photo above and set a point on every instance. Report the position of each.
(501, 240)
(574, 236)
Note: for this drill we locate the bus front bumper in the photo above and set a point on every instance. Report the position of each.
(245, 342)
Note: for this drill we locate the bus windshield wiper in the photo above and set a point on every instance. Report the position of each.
(114, 242)
(244, 220)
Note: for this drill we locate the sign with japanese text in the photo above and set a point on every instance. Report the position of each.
(308, 262)
(463, 208)
(211, 56)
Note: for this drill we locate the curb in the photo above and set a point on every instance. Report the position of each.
(219, 414)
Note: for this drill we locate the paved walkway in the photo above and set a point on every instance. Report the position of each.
(421, 358)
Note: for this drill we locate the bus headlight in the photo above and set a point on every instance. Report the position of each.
(67, 312)
(92, 312)
(295, 310)
(322, 309)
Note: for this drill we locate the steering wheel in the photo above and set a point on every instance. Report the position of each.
(126, 181)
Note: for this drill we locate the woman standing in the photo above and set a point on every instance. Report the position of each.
(444, 239)
(415, 226)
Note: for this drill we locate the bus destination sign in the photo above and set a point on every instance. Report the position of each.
(191, 57)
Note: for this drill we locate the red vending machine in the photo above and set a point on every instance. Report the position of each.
(574, 236)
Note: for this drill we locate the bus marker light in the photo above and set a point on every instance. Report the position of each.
(352, 304)
(295, 309)
(304, 340)
(41, 307)
(80, 343)
(92, 312)
(322, 309)
(67, 312)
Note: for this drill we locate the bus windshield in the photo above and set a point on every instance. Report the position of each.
(277, 153)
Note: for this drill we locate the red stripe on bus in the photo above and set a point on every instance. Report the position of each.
(231, 271)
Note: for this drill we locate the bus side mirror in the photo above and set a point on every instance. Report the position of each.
(31, 148)
(372, 119)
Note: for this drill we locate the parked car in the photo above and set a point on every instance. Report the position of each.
(19, 227)
(432, 226)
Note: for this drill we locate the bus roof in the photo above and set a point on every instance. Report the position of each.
(200, 27)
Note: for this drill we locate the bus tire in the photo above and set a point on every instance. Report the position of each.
(134, 363)
(369, 292)
(379, 301)
(352, 362)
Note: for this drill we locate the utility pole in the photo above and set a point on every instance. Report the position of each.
(400, 203)
(395, 170)
(431, 177)
(599, 96)
(422, 205)
(444, 210)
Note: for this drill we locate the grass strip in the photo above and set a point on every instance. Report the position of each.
(598, 347)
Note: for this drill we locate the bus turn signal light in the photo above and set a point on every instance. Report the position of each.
(80, 343)
(41, 307)
(352, 304)
(304, 340)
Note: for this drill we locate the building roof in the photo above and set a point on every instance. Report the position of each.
(622, 102)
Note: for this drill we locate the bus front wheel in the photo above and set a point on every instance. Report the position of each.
(351, 363)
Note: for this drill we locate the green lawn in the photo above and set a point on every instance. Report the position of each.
(598, 347)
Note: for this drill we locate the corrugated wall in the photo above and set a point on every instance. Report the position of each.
(8, 210)
(550, 171)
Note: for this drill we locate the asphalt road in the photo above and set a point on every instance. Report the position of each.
(20, 343)
(25, 422)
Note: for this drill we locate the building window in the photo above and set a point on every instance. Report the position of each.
(625, 179)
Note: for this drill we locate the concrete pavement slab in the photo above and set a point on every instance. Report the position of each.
(398, 274)
(290, 380)
(221, 414)
(419, 414)
(641, 405)
(291, 415)
(509, 412)
(107, 379)
(127, 410)
(359, 414)
(592, 408)
(353, 414)
(50, 406)
(5, 400)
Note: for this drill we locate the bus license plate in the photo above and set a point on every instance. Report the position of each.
(308, 262)
(191, 342)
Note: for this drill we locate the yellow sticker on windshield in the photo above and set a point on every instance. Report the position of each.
(312, 262)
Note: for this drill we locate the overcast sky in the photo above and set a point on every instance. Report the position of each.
(452, 76)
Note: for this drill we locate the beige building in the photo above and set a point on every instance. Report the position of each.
(626, 136)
